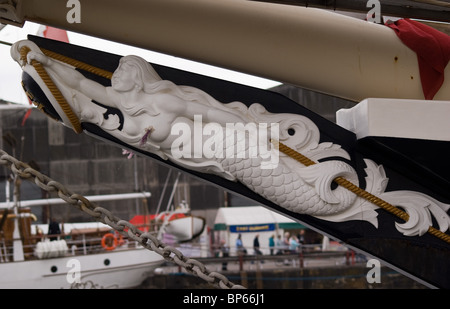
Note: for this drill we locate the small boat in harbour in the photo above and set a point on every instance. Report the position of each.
(179, 223)
(176, 222)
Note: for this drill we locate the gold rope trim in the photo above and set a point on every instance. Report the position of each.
(360, 192)
(75, 122)
(53, 89)
(285, 149)
(78, 64)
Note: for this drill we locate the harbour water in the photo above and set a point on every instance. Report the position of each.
(319, 271)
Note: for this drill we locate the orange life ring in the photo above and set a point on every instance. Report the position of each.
(114, 244)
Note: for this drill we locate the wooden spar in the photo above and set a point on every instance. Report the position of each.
(311, 48)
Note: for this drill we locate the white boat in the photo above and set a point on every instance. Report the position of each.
(85, 255)
(186, 228)
(122, 268)
(180, 226)
(176, 223)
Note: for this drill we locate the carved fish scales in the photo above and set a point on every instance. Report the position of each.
(284, 186)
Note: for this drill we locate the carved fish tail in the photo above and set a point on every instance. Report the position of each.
(277, 183)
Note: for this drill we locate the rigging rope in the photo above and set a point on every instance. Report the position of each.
(6, 43)
(77, 64)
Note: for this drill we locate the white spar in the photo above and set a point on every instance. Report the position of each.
(311, 48)
(94, 198)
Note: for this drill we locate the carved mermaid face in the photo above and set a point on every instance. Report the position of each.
(124, 78)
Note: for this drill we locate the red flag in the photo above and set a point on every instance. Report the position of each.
(432, 48)
(56, 34)
(26, 115)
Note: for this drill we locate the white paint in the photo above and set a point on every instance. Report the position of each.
(418, 119)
